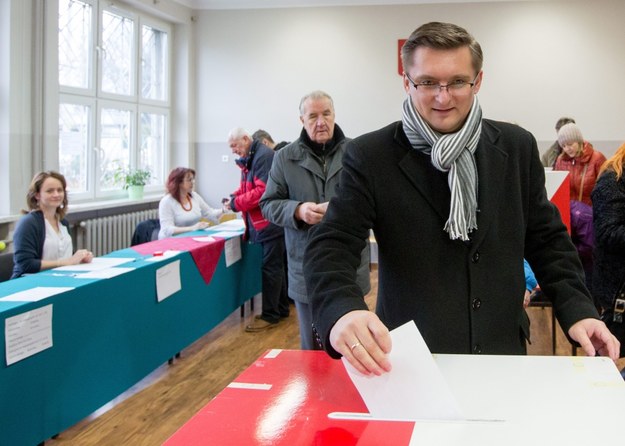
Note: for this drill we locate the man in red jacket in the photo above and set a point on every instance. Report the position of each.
(255, 162)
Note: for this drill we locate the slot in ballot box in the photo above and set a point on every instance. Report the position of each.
(292, 397)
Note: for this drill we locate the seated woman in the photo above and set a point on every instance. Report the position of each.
(182, 209)
(41, 240)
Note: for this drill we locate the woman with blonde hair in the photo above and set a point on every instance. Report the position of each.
(41, 240)
(608, 199)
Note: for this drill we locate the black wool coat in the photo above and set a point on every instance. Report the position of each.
(465, 297)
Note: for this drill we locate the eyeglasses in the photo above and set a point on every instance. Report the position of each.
(190, 180)
(457, 87)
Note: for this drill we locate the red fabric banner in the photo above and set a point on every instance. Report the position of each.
(205, 254)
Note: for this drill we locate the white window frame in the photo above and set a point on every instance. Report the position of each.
(97, 101)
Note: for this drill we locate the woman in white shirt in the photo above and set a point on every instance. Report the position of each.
(41, 240)
(182, 209)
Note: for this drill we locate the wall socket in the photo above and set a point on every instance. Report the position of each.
(224, 158)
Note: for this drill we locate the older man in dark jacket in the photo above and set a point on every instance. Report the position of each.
(304, 176)
(255, 161)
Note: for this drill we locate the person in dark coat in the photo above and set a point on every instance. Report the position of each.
(455, 202)
(264, 137)
(303, 178)
(608, 198)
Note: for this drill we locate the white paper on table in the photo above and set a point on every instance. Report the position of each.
(414, 389)
(230, 225)
(168, 280)
(166, 254)
(207, 238)
(96, 264)
(35, 294)
(27, 333)
(226, 234)
(103, 273)
(232, 248)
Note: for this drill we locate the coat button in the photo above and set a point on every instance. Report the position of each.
(477, 349)
(476, 303)
(476, 257)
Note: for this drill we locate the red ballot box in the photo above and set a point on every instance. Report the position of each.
(284, 398)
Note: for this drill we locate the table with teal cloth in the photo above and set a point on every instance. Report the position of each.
(108, 334)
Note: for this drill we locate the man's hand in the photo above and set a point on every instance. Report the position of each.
(310, 212)
(594, 337)
(363, 340)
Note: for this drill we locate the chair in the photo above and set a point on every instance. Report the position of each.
(6, 266)
(146, 231)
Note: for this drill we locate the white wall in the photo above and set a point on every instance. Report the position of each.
(543, 60)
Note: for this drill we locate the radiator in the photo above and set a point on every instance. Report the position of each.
(106, 234)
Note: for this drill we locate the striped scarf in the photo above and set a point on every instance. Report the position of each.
(453, 153)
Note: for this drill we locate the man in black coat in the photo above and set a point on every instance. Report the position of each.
(456, 202)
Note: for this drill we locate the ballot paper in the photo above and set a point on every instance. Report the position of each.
(414, 389)
(35, 294)
(103, 273)
(231, 225)
(207, 238)
(96, 264)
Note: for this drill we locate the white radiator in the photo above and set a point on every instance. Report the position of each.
(106, 234)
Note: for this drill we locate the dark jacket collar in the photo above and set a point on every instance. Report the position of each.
(322, 150)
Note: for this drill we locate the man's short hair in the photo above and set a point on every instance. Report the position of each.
(441, 36)
(262, 134)
(238, 133)
(562, 121)
(317, 94)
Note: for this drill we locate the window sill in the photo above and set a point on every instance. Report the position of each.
(112, 204)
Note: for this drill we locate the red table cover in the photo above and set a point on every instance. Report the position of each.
(205, 254)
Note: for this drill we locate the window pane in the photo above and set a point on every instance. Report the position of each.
(73, 145)
(117, 56)
(115, 134)
(74, 43)
(154, 58)
(152, 142)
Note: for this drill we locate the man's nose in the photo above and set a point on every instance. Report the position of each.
(439, 94)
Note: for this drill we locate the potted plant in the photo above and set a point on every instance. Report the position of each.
(133, 180)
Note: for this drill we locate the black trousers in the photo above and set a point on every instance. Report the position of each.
(275, 299)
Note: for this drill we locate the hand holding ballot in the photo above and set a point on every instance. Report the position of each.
(364, 341)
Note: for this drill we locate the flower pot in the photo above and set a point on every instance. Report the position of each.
(135, 192)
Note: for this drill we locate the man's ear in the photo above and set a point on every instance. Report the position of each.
(478, 82)
(406, 83)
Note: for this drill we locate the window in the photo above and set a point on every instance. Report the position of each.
(113, 66)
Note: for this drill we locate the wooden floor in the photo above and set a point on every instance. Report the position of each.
(156, 407)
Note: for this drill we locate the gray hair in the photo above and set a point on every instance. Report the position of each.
(238, 133)
(317, 94)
